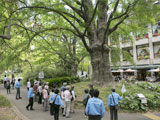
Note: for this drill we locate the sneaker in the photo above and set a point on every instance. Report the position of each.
(32, 109)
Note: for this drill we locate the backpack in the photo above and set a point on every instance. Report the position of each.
(86, 100)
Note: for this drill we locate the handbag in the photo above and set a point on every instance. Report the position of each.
(115, 106)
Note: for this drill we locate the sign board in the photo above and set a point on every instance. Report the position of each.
(41, 75)
(144, 101)
(141, 96)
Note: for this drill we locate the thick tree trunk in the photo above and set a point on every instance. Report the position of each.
(74, 68)
(101, 73)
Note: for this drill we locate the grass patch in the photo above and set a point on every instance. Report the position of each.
(131, 89)
(4, 102)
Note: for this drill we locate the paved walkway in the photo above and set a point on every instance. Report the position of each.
(38, 114)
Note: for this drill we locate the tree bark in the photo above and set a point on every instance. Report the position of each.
(74, 68)
(101, 73)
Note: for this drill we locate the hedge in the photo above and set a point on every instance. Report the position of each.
(60, 80)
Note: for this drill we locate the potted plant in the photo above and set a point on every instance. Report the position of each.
(155, 34)
(146, 35)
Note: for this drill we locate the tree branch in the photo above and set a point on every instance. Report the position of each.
(8, 31)
(116, 25)
(90, 21)
(56, 11)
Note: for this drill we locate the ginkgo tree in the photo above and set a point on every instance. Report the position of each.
(93, 21)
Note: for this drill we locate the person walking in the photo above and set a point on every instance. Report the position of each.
(30, 96)
(95, 109)
(63, 86)
(63, 99)
(51, 102)
(67, 98)
(5, 81)
(17, 86)
(91, 91)
(12, 83)
(28, 84)
(57, 102)
(8, 87)
(113, 99)
(40, 90)
(85, 99)
(73, 99)
(45, 98)
(35, 88)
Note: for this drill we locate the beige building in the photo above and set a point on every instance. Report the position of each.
(145, 51)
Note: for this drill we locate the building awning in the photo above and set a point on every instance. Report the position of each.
(138, 67)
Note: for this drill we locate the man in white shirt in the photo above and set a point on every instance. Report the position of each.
(67, 98)
(28, 84)
(5, 81)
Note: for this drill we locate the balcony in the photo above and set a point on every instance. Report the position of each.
(156, 38)
(143, 62)
(125, 63)
(142, 41)
(156, 61)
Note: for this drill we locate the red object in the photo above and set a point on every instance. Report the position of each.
(155, 34)
(146, 36)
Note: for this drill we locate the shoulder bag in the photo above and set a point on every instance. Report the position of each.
(116, 106)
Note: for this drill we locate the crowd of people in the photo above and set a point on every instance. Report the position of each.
(64, 99)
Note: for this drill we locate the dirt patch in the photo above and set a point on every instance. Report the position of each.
(7, 113)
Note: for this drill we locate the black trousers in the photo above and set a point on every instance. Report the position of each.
(51, 109)
(94, 117)
(30, 103)
(56, 112)
(113, 113)
(5, 84)
(18, 93)
(40, 98)
(8, 90)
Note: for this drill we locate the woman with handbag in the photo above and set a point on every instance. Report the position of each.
(57, 102)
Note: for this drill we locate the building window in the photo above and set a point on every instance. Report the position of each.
(143, 52)
(156, 50)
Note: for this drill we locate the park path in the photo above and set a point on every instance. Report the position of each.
(38, 113)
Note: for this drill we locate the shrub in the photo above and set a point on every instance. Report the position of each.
(132, 103)
(4, 102)
(60, 80)
(48, 73)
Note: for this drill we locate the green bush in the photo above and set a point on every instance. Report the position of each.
(60, 80)
(4, 102)
(48, 73)
(132, 103)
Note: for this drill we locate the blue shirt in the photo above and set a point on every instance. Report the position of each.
(62, 88)
(116, 98)
(18, 84)
(58, 100)
(30, 93)
(95, 106)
